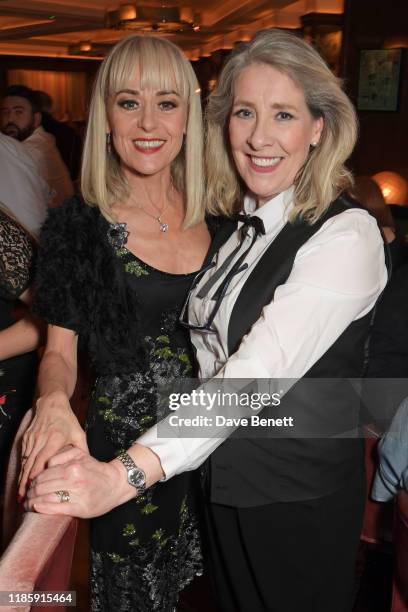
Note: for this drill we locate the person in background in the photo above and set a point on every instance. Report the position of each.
(67, 139)
(22, 189)
(392, 472)
(20, 117)
(289, 295)
(366, 191)
(388, 346)
(18, 339)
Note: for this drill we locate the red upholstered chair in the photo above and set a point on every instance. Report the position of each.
(400, 579)
(40, 548)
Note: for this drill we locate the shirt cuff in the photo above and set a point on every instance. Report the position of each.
(170, 451)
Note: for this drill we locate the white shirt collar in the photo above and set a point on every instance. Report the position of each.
(272, 212)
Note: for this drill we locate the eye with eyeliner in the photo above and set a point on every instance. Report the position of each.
(128, 104)
(132, 104)
(168, 105)
(243, 113)
(284, 116)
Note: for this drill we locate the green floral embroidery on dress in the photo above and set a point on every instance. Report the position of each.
(185, 360)
(134, 267)
(104, 400)
(148, 509)
(158, 537)
(107, 413)
(115, 557)
(163, 339)
(129, 530)
(109, 416)
(121, 252)
(134, 542)
(164, 353)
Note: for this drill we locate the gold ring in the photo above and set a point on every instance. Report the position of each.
(63, 496)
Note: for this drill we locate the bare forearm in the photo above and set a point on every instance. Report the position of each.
(23, 336)
(56, 375)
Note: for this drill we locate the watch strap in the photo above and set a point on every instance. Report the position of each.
(129, 464)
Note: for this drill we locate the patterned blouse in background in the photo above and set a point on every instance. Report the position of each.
(17, 375)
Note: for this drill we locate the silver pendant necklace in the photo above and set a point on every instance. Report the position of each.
(164, 227)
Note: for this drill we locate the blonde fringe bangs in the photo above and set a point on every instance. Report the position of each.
(163, 67)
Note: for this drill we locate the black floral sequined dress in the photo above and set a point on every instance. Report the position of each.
(145, 551)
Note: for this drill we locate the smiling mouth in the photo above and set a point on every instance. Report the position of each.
(265, 162)
(148, 146)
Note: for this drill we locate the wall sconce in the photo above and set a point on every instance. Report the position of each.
(393, 186)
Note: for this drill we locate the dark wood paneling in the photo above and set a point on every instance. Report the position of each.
(377, 24)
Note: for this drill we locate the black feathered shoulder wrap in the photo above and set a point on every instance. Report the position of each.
(80, 286)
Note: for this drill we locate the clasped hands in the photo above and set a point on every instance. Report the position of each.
(94, 487)
(56, 459)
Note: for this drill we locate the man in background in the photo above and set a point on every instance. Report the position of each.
(22, 190)
(20, 118)
(68, 141)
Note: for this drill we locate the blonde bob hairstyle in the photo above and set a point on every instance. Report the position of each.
(162, 66)
(323, 175)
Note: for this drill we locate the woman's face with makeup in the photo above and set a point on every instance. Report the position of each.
(271, 130)
(147, 127)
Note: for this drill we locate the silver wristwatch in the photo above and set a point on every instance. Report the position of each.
(135, 475)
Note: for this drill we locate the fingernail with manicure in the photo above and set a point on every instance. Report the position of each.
(20, 499)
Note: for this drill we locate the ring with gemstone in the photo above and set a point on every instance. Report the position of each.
(63, 496)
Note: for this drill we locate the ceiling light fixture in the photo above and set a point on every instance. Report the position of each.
(127, 12)
(85, 46)
(152, 18)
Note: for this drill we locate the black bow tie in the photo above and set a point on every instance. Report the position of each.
(251, 221)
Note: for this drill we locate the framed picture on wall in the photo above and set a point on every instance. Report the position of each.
(379, 76)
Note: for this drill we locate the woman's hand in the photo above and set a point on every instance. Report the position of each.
(94, 487)
(53, 427)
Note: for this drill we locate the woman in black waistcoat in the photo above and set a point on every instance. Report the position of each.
(288, 295)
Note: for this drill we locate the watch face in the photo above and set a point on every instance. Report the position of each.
(136, 477)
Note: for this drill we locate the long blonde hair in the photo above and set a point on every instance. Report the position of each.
(162, 66)
(323, 175)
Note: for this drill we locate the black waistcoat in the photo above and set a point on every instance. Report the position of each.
(250, 472)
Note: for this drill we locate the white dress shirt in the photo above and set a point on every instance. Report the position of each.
(336, 278)
(22, 189)
(41, 146)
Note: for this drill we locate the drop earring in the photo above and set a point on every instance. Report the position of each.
(108, 143)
